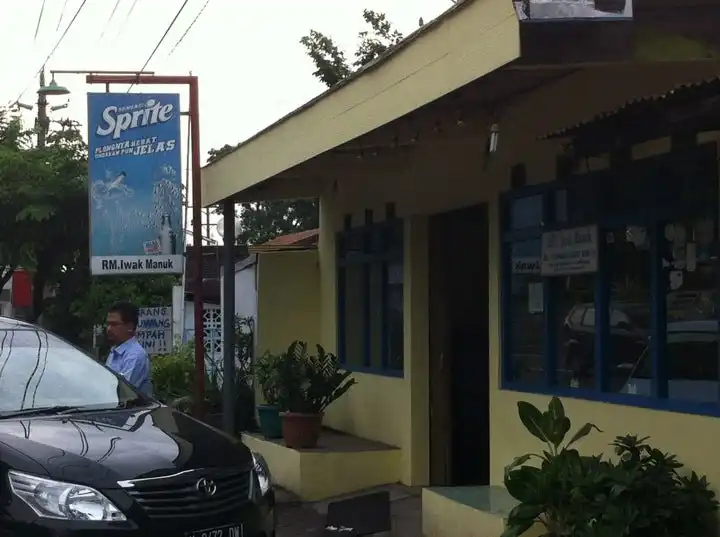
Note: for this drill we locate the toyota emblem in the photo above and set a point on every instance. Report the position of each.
(206, 487)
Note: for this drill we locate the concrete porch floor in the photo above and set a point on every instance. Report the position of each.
(307, 519)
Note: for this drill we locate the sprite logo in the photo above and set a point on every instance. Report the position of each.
(117, 120)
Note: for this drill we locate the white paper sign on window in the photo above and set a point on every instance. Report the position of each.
(569, 251)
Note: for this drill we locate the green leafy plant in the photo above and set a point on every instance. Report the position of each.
(265, 370)
(642, 494)
(309, 383)
(173, 373)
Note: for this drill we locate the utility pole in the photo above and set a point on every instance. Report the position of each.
(42, 121)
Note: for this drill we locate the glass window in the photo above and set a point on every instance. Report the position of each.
(370, 291)
(394, 316)
(573, 297)
(629, 263)
(354, 317)
(38, 369)
(377, 319)
(692, 351)
(526, 321)
(526, 212)
(576, 204)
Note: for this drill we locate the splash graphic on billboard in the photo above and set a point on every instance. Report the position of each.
(554, 10)
(135, 183)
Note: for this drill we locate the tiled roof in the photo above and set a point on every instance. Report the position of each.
(294, 239)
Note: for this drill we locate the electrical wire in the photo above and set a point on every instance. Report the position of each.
(110, 18)
(39, 21)
(62, 15)
(127, 18)
(54, 49)
(187, 30)
(167, 31)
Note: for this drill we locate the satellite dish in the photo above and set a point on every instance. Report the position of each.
(220, 227)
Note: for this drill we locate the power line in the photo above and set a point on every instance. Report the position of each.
(127, 18)
(188, 28)
(110, 18)
(62, 14)
(57, 45)
(39, 21)
(167, 31)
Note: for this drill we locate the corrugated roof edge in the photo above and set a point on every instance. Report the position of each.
(565, 131)
(460, 4)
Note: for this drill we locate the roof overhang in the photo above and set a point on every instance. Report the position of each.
(470, 40)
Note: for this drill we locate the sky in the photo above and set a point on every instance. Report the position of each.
(251, 67)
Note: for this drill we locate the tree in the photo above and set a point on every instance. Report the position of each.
(44, 228)
(330, 62)
(262, 221)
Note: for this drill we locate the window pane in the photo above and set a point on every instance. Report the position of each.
(354, 307)
(394, 315)
(351, 244)
(628, 354)
(376, 315)
(525, 321)
(577, 204)
(574, 300)
(526, 212)
(692, 320)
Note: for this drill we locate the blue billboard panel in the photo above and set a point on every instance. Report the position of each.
(135, 183)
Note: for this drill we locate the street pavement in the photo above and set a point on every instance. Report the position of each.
(307, 519)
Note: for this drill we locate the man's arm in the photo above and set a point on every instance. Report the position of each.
(135, 367)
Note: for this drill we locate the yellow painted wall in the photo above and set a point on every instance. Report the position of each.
(452, 173)
(288, 299)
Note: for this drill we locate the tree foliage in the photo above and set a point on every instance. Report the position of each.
(44, 228)
(262, 221)
(331, 64)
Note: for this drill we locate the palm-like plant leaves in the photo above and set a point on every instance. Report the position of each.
(309, 383)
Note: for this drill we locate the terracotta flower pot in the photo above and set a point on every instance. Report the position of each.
(301, 431)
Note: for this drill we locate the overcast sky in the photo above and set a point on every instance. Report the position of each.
(252, 69)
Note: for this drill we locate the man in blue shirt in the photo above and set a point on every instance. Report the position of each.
(127, 357)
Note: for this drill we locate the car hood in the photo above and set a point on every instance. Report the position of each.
(101, 448)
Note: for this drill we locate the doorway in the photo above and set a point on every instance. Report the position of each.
(459, 363)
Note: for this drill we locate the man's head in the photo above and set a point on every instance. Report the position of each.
(121, 322)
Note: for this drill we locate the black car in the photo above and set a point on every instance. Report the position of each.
(83, 454)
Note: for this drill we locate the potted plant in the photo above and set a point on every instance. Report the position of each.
(307, 385)
(265, 370)
(642, 493)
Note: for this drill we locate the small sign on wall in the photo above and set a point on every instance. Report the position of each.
(570, 251)
(154, 331)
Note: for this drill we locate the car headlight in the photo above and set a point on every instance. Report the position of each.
(54, 499)
(262, 473)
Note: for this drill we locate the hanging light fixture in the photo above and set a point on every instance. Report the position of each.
(494, 138)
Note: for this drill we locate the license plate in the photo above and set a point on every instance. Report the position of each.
(233, 530)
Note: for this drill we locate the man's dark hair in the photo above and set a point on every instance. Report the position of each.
(128, 312)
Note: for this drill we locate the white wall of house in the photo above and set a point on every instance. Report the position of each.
(245, 287)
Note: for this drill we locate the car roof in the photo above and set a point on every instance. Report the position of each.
(8, 323)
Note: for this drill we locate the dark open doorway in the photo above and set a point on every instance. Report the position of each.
(459, 377)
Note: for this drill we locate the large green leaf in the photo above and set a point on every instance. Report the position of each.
(532, 419)
(524, 484)
(582, 432)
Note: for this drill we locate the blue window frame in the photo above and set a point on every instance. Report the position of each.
(641, 330)
(370, 296)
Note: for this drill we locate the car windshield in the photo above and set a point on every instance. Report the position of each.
(39, 370)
